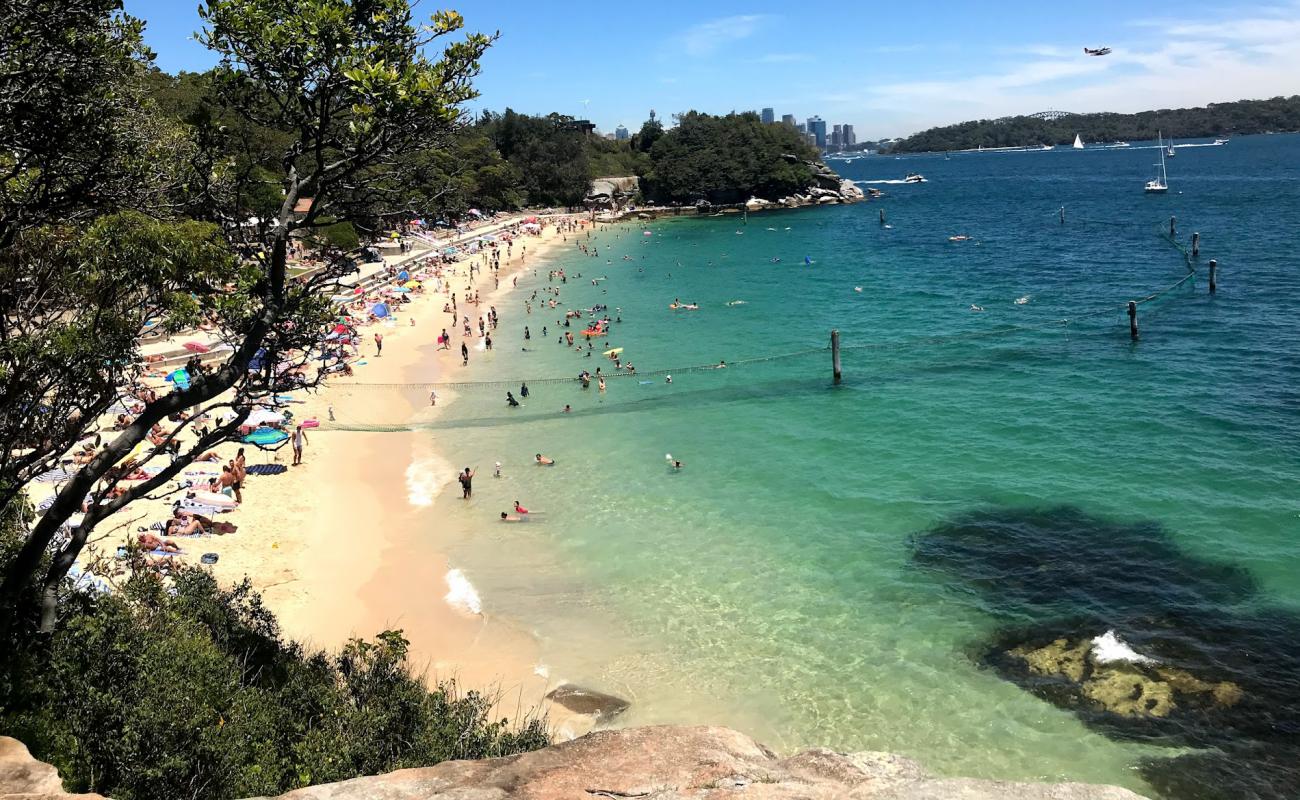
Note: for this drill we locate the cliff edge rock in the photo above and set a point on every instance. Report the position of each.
(655, 763)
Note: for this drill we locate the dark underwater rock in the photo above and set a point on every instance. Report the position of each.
(1224, 668)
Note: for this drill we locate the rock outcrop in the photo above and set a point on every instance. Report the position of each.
(659, 763)
(24, 778)
(1125, 688)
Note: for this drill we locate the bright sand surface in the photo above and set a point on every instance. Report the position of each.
(339, 546)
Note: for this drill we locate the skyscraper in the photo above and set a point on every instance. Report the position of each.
(788, 119)
(837, 136)
(769, 116)
(850, 138)
(817, 127)
(620, 133)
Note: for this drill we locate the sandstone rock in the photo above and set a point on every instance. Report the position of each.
(850, 190)
(603, 707)
(23, 777)
(676, 763)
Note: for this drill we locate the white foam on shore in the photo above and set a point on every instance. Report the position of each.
(461, 594)
(542, 671)
(1109, 648)
(421, 483)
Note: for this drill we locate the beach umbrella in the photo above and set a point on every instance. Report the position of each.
(379, 310)
(266, 439)
(180, 379)
(196, 347)
(403, 275)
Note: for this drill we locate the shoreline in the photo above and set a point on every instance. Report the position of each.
(370, 565)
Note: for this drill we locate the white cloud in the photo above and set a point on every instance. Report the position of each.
(1174, 64)
(706, 38)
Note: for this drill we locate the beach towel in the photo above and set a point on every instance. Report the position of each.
(55, 475)
(267, 469)
(164, 553)
(199, 508)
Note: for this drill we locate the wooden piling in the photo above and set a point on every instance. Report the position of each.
(1062, 215)
(1133, 319)
(1214, 283)
(835, 356)
(882, 216)
(1173, 227)
(1196, 245)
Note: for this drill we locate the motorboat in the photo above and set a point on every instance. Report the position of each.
(914, 177)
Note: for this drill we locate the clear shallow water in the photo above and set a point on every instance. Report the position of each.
(772, 585)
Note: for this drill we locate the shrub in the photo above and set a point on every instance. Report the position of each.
(182, 688)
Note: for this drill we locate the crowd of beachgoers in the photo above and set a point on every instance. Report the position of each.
(206, 501)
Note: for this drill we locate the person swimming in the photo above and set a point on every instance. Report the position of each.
(507, 518)
(520, 509)
(543, 461)
(510, 399)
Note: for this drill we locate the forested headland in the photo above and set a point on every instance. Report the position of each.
(1216, 119)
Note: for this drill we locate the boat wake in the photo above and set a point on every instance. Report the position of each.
(890, 182)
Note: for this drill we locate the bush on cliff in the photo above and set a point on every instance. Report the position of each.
(185, 689)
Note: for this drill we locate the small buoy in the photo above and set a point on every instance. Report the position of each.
(857, 288)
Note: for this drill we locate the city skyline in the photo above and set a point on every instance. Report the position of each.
(970, 65)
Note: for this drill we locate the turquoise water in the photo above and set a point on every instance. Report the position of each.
(774, 583)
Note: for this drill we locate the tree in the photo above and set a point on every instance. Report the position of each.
(652, 130)
(347, 84)
(551, 157)
(727, 160)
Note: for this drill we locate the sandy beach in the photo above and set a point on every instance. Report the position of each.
(338, 546)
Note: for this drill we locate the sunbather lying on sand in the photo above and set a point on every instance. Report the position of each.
(185, 524)
(150, 541)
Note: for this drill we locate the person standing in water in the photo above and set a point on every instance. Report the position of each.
(466, 483)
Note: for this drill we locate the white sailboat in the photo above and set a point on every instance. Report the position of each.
(1159, 184)
(1169, 151)
(1078, 142)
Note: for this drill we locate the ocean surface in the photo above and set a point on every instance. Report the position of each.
(839, 565)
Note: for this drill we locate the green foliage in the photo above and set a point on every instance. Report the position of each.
(614, 159)
(191, 692)
(727, 160)
(551, 157)
(69, 108)
(342, 235)
(652, 130)
(1216, 119)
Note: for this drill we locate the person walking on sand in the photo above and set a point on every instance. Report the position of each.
(299, 442)
(445, 340)
(466, 483)
(464, 354)
(379, 344)
(433, 397)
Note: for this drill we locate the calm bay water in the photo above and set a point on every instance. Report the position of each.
(772, 584)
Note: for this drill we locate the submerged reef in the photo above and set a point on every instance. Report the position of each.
(1137, 637)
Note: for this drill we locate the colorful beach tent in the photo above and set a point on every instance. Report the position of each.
(180, 379)
(380, 310)
(403, 275)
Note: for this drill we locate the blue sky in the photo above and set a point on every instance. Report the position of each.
(888, 68)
